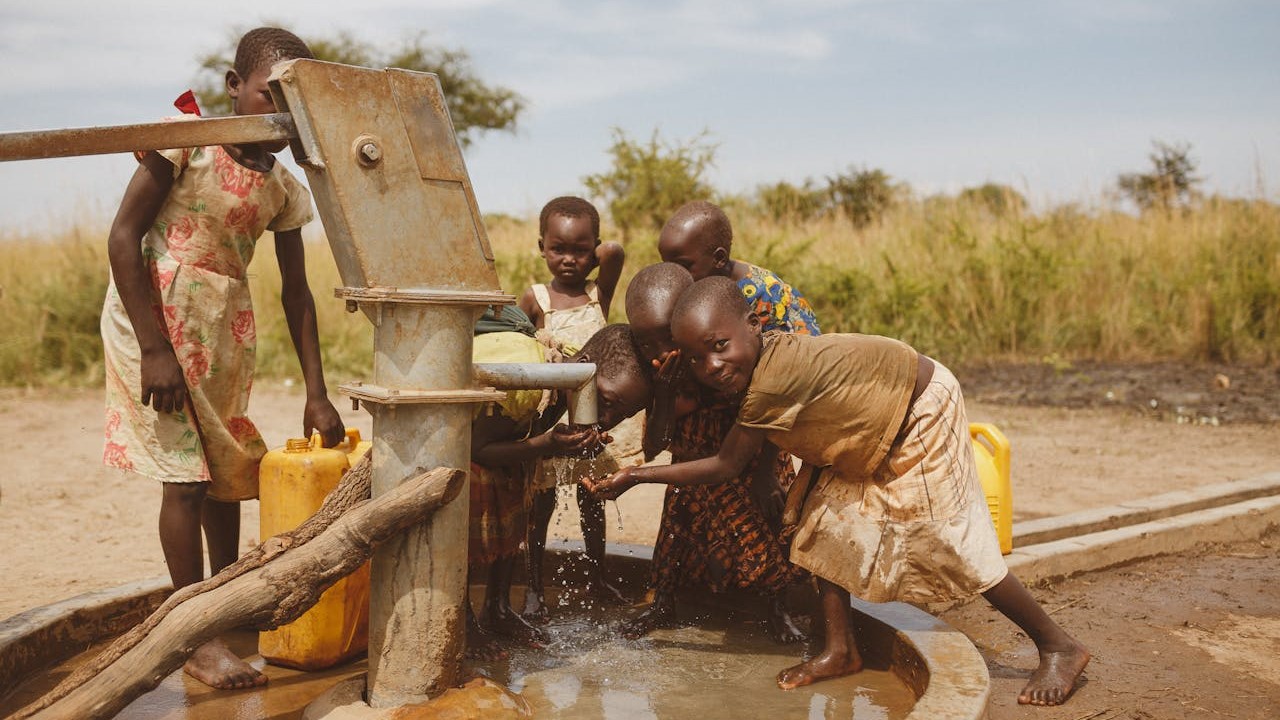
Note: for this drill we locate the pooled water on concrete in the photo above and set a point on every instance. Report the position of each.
(719, 667)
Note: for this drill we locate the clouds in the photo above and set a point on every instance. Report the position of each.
(940, 93)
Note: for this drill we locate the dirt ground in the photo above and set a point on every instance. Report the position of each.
(1164, 632)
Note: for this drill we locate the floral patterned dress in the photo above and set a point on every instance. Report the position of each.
(778, 305)
(197, 254)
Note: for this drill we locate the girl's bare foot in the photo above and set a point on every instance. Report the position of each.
(782, 627)
(215, 665)
(823, 667)
(507, 623)
(535, 609)
(482, 647)
(1053, 681)
(600, 589)
(658, 615)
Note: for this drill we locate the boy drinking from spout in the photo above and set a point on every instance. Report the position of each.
(895, 511)
(507, 438)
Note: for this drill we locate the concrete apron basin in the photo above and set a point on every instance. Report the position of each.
(720, 665)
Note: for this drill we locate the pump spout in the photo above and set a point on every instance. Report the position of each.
(577, 377)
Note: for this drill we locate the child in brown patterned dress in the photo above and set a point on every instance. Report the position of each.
(896, 511)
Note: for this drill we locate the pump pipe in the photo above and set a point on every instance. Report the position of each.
(578, 378)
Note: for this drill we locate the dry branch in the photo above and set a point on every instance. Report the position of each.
(268, 587)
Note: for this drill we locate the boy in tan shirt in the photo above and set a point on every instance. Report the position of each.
(895, 511)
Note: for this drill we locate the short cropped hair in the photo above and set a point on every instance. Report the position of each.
(612, 351)
(719, 231)
(657, 285)
(570, 206)
(715, 294)
(266, 46)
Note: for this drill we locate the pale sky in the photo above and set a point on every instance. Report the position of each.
(1054, 97)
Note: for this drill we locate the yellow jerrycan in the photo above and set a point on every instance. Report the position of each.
(991, 451)
(293, 483)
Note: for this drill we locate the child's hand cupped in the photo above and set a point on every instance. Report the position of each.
(611, 487)
(575, 441)
(670, 369)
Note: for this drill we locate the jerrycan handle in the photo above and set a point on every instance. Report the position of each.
(991, 436)
(348, 443)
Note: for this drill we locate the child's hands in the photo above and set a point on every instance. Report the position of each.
(611, 487)
(579, 441)
(163, 385)
(670, 371)
(320, 415)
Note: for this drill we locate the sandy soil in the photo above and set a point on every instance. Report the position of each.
(1189, 636)
(70, 525)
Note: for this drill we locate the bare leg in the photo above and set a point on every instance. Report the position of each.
(1062, 657)
(542, 507)
(839, 654)
(221, 522)
(498, 616)
(183, 506)
(480, 644)
(661, 613)
(781, 625)
(591, 513)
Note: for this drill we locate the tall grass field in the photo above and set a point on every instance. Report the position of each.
(955, 280)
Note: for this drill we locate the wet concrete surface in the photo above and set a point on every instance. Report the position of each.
(719, 664)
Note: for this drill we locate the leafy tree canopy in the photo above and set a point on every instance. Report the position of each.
(996, 198)
(1170, 184)
(476, 107)
(649, 181)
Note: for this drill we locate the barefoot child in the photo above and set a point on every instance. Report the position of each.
(504, 447)
(896, 512)
(714, 536)
(569, 310)
(178, 332)
(699, 238)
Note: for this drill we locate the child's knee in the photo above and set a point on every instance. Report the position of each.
(185, 495)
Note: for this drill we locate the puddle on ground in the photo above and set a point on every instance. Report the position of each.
(720, 666)
(717, 667)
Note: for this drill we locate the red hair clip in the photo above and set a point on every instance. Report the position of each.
(186, 102)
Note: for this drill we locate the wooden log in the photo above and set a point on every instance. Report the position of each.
(272, 594)
(353, 489)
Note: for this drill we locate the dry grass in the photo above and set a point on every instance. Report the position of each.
(951, 278)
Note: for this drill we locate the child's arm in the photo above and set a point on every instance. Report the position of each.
(610, 257)
(661, 416)
(739, 446)
(529, 304)
(300, 313)
(163, 385)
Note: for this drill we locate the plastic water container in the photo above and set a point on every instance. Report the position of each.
(991, 451)
(293, 483)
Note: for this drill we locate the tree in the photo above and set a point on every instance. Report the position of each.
(474, 106)
(650, 180)
(1171, 182)
(784, 201)
(863, 195)
(998, 199)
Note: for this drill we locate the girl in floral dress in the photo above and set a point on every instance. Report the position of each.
(179, 337)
